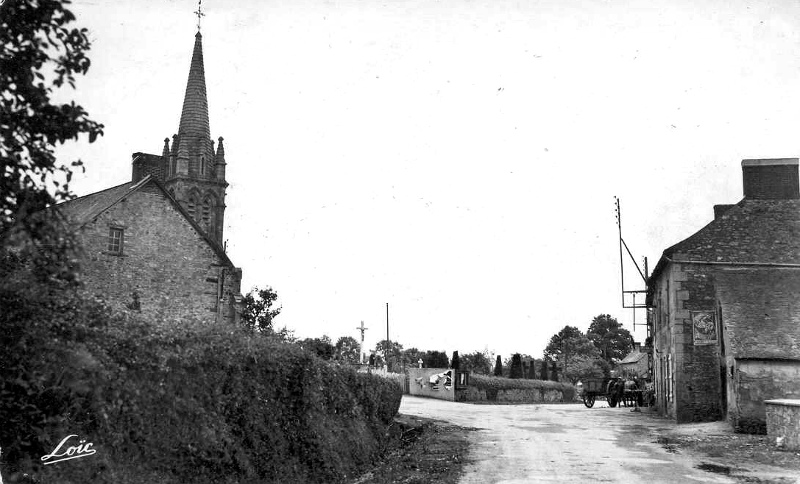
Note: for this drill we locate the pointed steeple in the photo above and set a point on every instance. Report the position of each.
(197, 171)
(194, 117)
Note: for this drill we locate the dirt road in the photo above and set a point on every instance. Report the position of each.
(570, 443)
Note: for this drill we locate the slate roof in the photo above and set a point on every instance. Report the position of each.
(633, 357)
(83, 210)
(194, 116)
(750, 232)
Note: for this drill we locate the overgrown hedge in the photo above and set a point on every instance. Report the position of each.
(193, 403)
(493, 385)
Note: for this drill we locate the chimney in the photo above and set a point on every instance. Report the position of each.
(771, 179)
(719, 210)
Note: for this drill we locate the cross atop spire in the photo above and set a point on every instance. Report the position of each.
(199, 13)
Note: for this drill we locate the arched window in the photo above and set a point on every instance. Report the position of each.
(191, 207)
(206, 214)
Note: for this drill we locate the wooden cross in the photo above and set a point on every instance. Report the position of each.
(199, 13)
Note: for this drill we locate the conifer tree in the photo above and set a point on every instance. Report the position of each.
(498, 367)
(544, 370)
(516, 366)
(455, 362)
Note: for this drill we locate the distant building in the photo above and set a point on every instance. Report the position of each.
(154, 244)
(634, 363)
(726, 306)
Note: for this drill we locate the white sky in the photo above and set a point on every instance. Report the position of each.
(456, 159)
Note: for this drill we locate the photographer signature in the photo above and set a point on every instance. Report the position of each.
(83, 449)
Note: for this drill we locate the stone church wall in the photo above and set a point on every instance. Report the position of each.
(173, 271)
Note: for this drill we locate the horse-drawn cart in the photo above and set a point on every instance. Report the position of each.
(612, 390)
(598, 389)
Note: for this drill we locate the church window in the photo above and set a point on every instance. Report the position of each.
(191, 207)
(115, 240)
(202, 165)
(206, 216)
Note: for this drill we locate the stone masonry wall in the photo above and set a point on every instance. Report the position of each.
(757, 381)
(761, 316)
(662, 344)
(783, 423)
(698, 386)
(761, 310)
(171, 268)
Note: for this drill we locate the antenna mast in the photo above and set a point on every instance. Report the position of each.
(629, 296)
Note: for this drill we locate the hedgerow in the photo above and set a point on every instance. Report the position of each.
(167, 403)
(492, 384)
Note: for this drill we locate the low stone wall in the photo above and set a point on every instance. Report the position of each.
(783, 422)
(538, 395)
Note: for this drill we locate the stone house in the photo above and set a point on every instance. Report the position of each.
(725, 306)
(154, 244)
(635, 363)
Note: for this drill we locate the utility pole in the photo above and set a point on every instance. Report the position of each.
(388, 342)
(362, 355)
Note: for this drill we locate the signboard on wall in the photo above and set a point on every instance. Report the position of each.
(704, 327)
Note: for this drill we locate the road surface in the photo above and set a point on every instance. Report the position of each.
(537, 443)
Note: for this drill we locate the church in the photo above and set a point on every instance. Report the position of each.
(155, 244)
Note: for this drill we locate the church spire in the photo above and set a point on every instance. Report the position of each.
(194, 117)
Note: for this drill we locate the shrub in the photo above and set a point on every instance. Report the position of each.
(192, 403)
(491, 385)
(516, 366)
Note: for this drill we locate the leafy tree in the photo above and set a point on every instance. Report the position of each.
(321, 347)
(41, 52)
(498, 367)
(392, 353)
(570, 344)
(608, 336)
(258, 312)
(436, 359)
(543, 375)
(347, 350)
(412, 356)
(476, 362)
(582, 367)
(455, 362)
(516, 366)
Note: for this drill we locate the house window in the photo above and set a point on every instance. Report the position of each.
(115, 240)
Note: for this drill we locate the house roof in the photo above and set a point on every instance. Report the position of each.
(760, 232)
(83, 210)
(633, 357)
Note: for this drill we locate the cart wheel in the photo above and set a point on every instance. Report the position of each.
(612, 401)
(588, 400)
